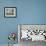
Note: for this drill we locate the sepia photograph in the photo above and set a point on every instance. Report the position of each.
(10, 12)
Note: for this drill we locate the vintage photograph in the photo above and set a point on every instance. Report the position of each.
(10, 12)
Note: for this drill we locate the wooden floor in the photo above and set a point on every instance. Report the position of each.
(30, 43)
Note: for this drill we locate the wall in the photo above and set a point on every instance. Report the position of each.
(28, 12)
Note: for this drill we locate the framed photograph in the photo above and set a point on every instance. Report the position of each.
(10, 12)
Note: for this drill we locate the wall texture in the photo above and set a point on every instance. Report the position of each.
(28, 12)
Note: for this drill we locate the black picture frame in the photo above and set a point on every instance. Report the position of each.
(10, 13)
